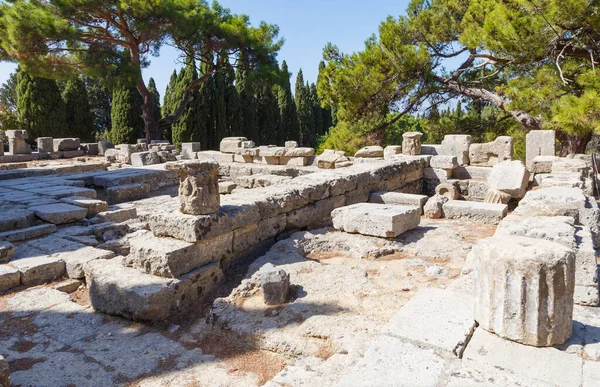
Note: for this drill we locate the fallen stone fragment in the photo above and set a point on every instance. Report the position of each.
(398, 198)
(448, 190)
(60, 213)
(369, 152)
(496, 196)
(491, 153)
(7, 251)
(433, 209)
(68, 286)
(230, 144)
(381, 220)
(226, 187)
(511, 177)
(524, 289)
(75, 260)
(331, 159)
(391, 150)
(93, 206)
(275, 284)
(9, 277)
(443, 162)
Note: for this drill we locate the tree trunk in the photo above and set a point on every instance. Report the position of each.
(572, 144)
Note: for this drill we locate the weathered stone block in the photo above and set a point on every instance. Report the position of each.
(475, 211)
(524, 289)
(511, 177)
(411, 143)
(448, 190)
(434, 209)
(65, 144)
(38, 270)
(60, 213)
(103, 146)
(381, 220)
(16, 142)
(443, 162)
(539, 143)
(275, 284)
(93, 206)
(219, 157)
(369, 152)
(127, 193)
(9, 278)
(429, 149)
(45, 144)
(189, 149)
(198, 186)
(7, 251)
(398, 198)
(230, 144)
(543, 164)
(144, 158)
(391, 150)
(75, 260)
(291, 144)
(496, 196)
(457, 145)
(490, 153)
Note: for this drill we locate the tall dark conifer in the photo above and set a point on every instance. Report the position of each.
(78, 115)
(289, 129)
(247, 101)
(100, 100)
(326, 113)
(126, 115)
(306, 119)
(317, 114)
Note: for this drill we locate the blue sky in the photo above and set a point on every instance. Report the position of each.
(306, 26)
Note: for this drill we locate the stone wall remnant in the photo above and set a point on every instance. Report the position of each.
(198, 186)
(524, 289)
(490, 153)
(539, 143)
(411, 143)
(16, 142)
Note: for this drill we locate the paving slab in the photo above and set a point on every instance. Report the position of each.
(14, 218)
(60, 213)
(400, 198)
(489, 213)
(53, 245)
(373, 219)
(75, 260)
(437, 319)
(93, 206)
(38, 270)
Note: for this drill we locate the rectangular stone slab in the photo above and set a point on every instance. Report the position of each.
(489, 213)
(60, 213)
(399, 198)
(381, 220)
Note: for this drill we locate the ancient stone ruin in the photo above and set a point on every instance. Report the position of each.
(430, 264)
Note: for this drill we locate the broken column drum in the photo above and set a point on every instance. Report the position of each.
(411, 143)
(16, 142)
(198, 186)
(524, 289)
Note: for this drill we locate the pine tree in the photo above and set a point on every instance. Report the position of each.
(126, 115)
(319, 129)
(100, 101)
(306, 119)
(247, 105)
(289, 129)
(78, 114)
(40, 107)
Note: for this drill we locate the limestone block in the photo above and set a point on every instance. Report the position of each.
(490, 153)
(66, 144)
(429, 149)
(75, 260)
(27, 233)
(116, 215)
(68, 286)
(511, 177)
(567, 180)
(45, 144)
(398, 198)
(470, 172)
(391, 150)
(14, 218)
(90, 149)
(188, 149)
(443, 162)
(198, 186)
(331, 159)
(457, 145)
(539, 143)
(230, 144)
(16, 142)
(111, 155)
(448, 190)
(369, 152)
(475, 212)
(7, 251)
(575, 167)
(219, 157)
(294, 161)
(436, 174)
(543, 164)
(411, 143)
(291, 144)
(296, 152)
(226, 187)
(433, 209)
(247, 152)
(39, 269)
(381, 220)
(93, 206)
(60, 213)
(103, 146)
(144, 158)
(9, 278)
(127, 292)
(171, 258)
(127, 193)
(524, 289)
(275, 284)
(245, 238)
(496, 196)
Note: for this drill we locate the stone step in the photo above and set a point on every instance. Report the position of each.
(124, 291)
(16, 218)
(489, 213)
(127, 193)
(59, 213)
(398, 198)
(27, 233)
(93, 206)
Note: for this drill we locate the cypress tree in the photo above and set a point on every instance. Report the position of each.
(78, 115)
(152, 89)
(100, 101)
(289, 129)
(306, 119)
(168, 103)
(126, 115)
(326, 113)
(249, 126)
(233, 125)
(40, 107)
(317, 114)
(220, 113)
(267, 115)
(204, 110)
(184, 130)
